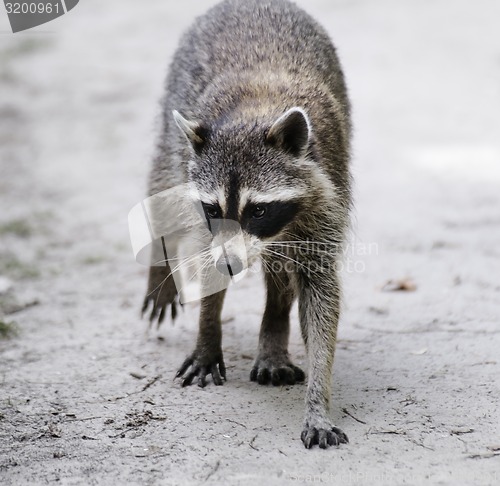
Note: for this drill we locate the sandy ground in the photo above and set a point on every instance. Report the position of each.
(87, 395)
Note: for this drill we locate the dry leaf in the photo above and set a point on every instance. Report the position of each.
(402, 285)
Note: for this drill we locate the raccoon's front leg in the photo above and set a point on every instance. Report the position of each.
(319, 313)
(273, 362)
(207, 357)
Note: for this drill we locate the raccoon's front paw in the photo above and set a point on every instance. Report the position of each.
(323, 433)
(277, 370)
(161, 293)
(203, 364)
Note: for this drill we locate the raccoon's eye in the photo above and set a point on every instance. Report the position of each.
(258, 212)
(212, 211)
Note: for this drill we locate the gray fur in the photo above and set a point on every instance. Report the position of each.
(236, 72)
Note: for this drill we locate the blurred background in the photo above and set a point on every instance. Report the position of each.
(86, 393)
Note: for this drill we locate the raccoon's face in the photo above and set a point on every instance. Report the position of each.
(247, 182)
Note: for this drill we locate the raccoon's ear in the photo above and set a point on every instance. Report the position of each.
(291, 132)
(194, 131)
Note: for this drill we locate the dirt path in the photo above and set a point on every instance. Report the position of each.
(87, 396)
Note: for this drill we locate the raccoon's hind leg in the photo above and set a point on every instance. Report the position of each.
(207, 357)
(273, 362)
(161, 293)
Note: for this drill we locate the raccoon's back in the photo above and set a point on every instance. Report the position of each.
(240, 35)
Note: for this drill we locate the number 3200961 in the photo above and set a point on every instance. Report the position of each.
(32, 7)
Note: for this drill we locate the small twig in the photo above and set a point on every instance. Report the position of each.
(352, 416)
(167, 405)
(150, 383)
(461, 432)
(484, 455)
(213, 470)
(396, 432)
(237, 423)
(144, 388)
(82, 419)
(251, 443)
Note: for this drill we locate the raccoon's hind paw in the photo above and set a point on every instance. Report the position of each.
(161, 293)
(322, 435)
(201, 366)
(276, 371)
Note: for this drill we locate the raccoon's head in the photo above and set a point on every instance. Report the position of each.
(250, 174)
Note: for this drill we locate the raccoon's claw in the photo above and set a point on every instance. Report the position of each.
(324, 437)
(161, 293)
(158, 310)
(216, 368)
(264, 372)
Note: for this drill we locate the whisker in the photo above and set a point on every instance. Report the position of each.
(169, 259)
(191, 260)
(269, 271)
(204, 265)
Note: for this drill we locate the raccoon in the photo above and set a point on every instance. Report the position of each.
(256, 115)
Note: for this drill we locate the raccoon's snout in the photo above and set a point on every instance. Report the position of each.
(229, 265)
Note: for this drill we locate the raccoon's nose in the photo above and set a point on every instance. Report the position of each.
(230, 265)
